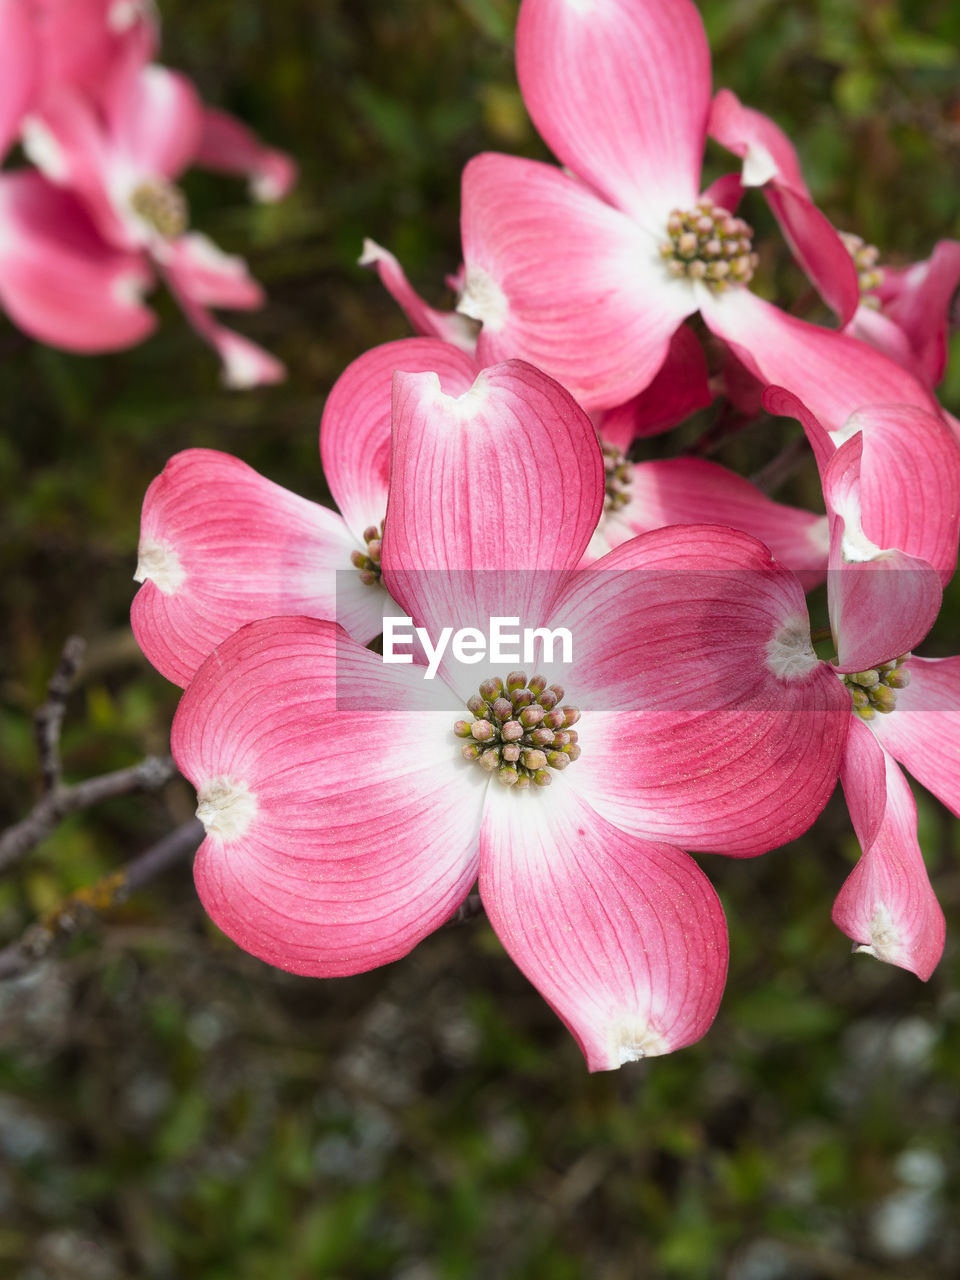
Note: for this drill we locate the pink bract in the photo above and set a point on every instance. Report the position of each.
(344, 822)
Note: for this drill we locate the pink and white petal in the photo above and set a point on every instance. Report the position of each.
(620, 90)
(918, 299)
(886, 904)
(155, 118)
(696, 491)
(221, 546)
(770, 161)
(19, 67)
(85, 40)
(624, 938)
(909, 481)
(872, 326)
(832, 373)
(563, 280)
(226, 145)
(210, 276)
(329, 850)
(355, 428)
(59, 281)
(244, 363)
(923, 733)
(707, 720)
(493, 497)
(680, 388)
(449, 326)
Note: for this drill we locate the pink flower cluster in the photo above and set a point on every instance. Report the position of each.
(86, 231)
(482, 472)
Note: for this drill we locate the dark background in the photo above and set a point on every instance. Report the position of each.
(170, 1107)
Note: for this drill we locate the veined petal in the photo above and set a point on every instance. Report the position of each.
(620, 90)
(680, 388)
(562, 279)
(770, 162)
(336, 841)
(872, 326)
(696, 491)
(355, 429)
(624, 938)
(918, 299)
(59, 281)
(923, 732)
(493, 496)
(19, 67)
(226, 145)
(449, 326)
(832, 373)
(886, 904)
(707, 720)
(882, 601)
(221, 546)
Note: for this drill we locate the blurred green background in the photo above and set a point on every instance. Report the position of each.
(171, 1108)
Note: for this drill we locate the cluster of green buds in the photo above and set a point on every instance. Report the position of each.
(162, 206)
(865, 259)
(709, 243)
(876, 690)
(369, 562)
(618, 476)
(520, 731)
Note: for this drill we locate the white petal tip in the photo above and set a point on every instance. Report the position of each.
(629, 1040)
(226, 808)
(371, 254)
(161, 565)
(885, 943)
(790, 654)
(759, 166)
(483, 299)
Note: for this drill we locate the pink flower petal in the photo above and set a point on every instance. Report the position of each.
(228, 146)
(886, 904)
(449, 326)
(154, 116)
(620, 90)
(19, 67)
(625, 939)
(918, 299)
(85, 40)
(335, 841)
(561, 279)
(872, 326)
(680, 388)
(695, 491)
(832, 374)
(210, 276)
(355, 430)
(923, 732)
(770, 161)
(221, 546)
(707, 720)
(507, 477)
(59, 281)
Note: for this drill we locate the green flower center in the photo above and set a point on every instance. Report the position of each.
(709, 243)
(876, 690)
(519, 730)
(162, 206)
(619, 478)
(368, 562)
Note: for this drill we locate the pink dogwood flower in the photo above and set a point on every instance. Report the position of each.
(113, 132)
(892, 487)
(589, 273)
(350, 804)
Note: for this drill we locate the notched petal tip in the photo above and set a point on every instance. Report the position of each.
(482, 299)
(160, 564)
(630, 1040)
(790, 654)
(226, 807)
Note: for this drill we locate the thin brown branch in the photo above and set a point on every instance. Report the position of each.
(149, 775)
(786, 464)
(79, 910)
(48, 719)
(469, 909)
